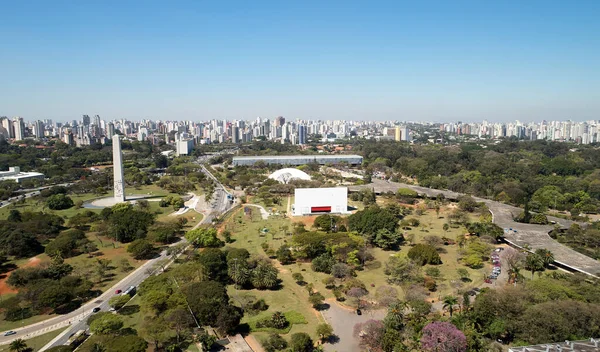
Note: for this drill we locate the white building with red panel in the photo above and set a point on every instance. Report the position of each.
(309, 201)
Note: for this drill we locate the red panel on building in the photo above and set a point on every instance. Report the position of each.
(320, 209)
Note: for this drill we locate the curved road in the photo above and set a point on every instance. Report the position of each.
(534, 236)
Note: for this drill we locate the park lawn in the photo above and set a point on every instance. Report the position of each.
(35, 343)
(246, 230)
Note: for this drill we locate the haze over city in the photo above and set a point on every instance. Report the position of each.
(439, 62)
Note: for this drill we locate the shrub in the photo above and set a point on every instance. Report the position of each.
(430, 284)
(59, 202)
(298, 277)
(323, 263)
(424, 254)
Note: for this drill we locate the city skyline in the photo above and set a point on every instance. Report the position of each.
(440, 61)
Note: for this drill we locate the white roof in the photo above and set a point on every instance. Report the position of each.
(287, 174)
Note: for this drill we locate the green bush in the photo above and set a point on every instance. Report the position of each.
(424, 254)
(59, 202)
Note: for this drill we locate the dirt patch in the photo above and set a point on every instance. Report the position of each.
(308, 221)
(254, 344)
(5, 288)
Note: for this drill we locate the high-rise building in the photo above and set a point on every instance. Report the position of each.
(301, 134)
(7, 128)
(86, 120)
(235, 134)
(110, 130)
(19, 128)
(397, 134)
(38, 129)
(279, 121)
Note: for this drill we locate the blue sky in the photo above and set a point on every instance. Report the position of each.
(368, 60)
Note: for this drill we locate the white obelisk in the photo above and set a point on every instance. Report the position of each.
(119, 186)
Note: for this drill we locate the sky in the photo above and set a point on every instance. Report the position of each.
(435, 61)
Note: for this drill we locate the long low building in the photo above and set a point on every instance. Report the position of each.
(15, 174)
(298, 159)
(320, 201)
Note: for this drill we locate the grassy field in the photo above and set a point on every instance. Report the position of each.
(37, 342)
(247, 232)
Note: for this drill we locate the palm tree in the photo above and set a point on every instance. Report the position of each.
(533, 263)
(98, 347)
(547, 256)
(449, 303)
(18, 345)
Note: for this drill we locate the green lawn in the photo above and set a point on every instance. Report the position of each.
(37, 342)
(291, 297)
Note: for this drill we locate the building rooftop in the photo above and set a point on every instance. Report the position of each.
(591, 345)
(285, 157)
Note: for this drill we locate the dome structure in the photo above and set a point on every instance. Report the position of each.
(288, 174)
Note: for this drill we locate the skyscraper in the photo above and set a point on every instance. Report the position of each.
(110, 130)
(38, 129)
(86, 120)
(118, 175)
(301, 134)
(19, 128)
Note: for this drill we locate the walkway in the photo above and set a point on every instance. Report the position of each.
(343, 320)
(263, 212)
(534, 236)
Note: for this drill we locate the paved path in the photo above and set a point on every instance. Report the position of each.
(535, 236)
(263, 212)
(343, 320)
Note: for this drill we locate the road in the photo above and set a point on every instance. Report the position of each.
(29, 193)
(521, 235)
(77, 319)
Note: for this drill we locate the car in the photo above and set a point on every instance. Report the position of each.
(118, 291)
(8, 333)
(96, 310)
(358, 312)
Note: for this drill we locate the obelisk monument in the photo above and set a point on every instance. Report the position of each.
(119, 186)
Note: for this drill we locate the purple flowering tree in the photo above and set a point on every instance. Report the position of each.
(370, 334)
(443, 337)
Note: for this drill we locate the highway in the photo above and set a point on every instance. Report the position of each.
(77, 319)
(520, 235)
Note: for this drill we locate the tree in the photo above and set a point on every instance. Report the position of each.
(325, 331)
(298, 277)
(401, 270)
(238, 271)
(264, 276)
(274, 343)
(284, 255)
(357, 293)
(98, 347)
(214, 263)
(386, 295)
(449, 302)
(533, 263)
(301, 342)
(316, 299)
(126, 223)
(205, 300)
(106, 324)
(118, 301)
(228, 319)
(370, 334)
(59, 202)
(204, 238)
(546, 255)
(394, 318)
(323, 263)
(341, 270)
(387, 240)
(153, 330)
(443, 336)
(14, 216)
(463, 274)
(367, 222)
(179, 320)
(141, 249)
(18, 345)
(424, 254)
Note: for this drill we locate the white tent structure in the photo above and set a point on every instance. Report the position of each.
(288, 174)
